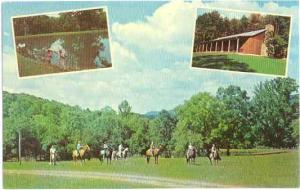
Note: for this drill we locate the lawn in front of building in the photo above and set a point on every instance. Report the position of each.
(239, 62)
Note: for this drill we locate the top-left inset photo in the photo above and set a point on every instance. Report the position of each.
(60, 42)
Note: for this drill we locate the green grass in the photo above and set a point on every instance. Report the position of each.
(238, 62)
(276, 170)
(103, 32)
(30, 67)
(45, 182)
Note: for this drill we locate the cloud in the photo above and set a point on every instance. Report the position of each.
(6, 34)
(168, 29)
(123, 57)
(151, 65)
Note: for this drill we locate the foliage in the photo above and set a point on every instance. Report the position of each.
(197, 118)
(230, 119)
(233, 129)
(84, 20)
(273, 112)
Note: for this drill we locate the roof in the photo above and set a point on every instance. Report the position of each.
(245, 34)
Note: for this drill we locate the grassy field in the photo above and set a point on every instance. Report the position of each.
(104, 33)
(276, 170)
(238, 62)
(30, 67)
(45, 182)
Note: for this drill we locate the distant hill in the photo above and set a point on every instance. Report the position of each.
(151, 114)
(154, 114)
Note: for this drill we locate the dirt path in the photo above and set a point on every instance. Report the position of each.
(155, 181)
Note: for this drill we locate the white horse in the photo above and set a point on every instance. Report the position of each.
(214, 157)
(125, 153)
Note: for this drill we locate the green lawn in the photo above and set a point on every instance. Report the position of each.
(276, 170)
(30, 67)
(238, 62)
(45, 182)
(102, 32)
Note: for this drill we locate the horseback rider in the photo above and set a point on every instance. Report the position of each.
(78, 147)
(120, 150)
(214, 149)
(152, 147)
(105, 147)
(190, 146)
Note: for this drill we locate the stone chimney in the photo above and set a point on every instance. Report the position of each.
(269, 28)
(268, 34)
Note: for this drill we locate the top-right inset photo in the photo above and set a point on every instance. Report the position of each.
(241, 41)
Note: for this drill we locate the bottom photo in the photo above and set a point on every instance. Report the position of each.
(226, 140)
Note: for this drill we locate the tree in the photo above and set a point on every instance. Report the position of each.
(124, 108)
(273, 112)
(197, 117)
(295, 134)
(161, 130)
(244, 23)
(234, 129)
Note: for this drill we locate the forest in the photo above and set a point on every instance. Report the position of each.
(213, 25)
(84, 20)
(231, 118)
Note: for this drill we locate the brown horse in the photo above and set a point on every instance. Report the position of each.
(155, 153)
(82, 155)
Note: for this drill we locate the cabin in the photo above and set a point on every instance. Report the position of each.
(252, 42)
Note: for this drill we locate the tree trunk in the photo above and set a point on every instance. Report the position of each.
(227, 151)
(20, 137)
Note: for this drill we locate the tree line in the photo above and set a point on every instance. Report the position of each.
(230, 119)
(84, 20)
(212, 25)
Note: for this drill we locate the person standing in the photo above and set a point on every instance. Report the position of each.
(62, 60)
(52, 155)
(48, 57)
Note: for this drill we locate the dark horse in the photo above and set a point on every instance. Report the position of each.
(105, 153)
(191, 155)
(155, 153)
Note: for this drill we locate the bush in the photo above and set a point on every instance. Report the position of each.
(277, 47)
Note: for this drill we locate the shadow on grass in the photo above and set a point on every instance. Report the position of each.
(220, 62)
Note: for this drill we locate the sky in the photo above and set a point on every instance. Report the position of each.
(151, 44)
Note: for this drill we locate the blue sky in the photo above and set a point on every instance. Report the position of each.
(151, 54)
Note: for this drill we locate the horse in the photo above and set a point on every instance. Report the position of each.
(191, 155)
(53, 156)
(114, 155)
(214, 157)
(125, 153)
(82, 155)
(155, 153)
(106, 153)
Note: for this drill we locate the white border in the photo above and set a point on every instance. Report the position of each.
(240, 72)
(64, 72)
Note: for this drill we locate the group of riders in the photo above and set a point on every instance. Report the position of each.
(213, 151)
